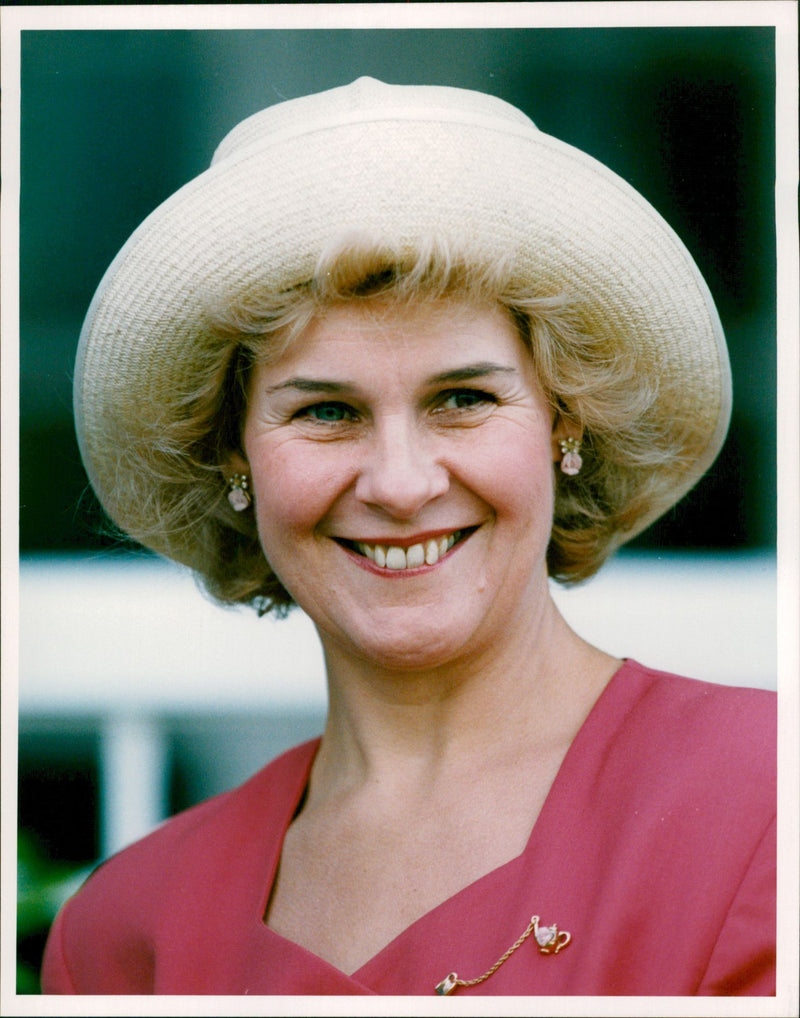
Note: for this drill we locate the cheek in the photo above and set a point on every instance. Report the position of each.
(516, 473)
(294, 488)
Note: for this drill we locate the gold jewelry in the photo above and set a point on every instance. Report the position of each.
(549, 938)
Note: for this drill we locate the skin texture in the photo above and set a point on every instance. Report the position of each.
(394, 425)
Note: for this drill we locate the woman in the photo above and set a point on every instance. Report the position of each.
(432, 357)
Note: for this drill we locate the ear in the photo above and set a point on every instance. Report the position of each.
(563, 428)
(235, 463)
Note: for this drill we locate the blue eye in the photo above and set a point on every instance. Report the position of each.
(465, 399)
(329, 413)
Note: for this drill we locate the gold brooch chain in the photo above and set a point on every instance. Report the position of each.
(549, 939)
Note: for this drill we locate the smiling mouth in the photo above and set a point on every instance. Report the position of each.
(426, 553)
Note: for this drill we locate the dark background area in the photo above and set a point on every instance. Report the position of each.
(114, 121)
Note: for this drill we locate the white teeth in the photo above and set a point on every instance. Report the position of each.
(415, 556)
(431, 552)
(393, 557)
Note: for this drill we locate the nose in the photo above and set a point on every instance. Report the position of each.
(400, 472)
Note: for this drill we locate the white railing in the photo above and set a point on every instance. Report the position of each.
(131, 649)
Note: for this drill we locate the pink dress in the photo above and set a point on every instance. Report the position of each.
(655, 851)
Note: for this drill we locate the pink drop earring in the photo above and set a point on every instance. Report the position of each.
(571, 461)
(239, 492)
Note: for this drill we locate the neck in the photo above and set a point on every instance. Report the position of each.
(411, 730)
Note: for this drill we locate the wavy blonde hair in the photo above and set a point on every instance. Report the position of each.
(599, 386)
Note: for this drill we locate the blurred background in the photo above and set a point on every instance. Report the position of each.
(137, 696)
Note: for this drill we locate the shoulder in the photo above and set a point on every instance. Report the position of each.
(228, 816)
(689, 769)
(725, 714)
(177, 876)
(687, 733)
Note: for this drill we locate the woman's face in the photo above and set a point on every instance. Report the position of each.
(402, 468)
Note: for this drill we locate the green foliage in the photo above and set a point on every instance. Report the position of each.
(42, 888)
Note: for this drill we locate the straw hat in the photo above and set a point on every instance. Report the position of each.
(401, 162)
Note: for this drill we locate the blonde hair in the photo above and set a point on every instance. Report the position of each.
(630, 458)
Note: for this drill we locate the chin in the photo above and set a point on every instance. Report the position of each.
(424, 646)
(412, 660)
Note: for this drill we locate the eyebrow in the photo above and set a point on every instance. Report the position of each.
(323, 385)
(309, 385)
(480, 370)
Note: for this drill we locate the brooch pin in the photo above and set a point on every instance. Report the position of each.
(550, 939)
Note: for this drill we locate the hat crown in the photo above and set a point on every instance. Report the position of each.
(367, 99)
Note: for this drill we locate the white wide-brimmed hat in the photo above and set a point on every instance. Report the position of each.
(402, 162)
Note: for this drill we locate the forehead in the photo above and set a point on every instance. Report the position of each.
(424, 331)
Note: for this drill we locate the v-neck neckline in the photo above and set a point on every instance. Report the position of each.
(378, 962)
